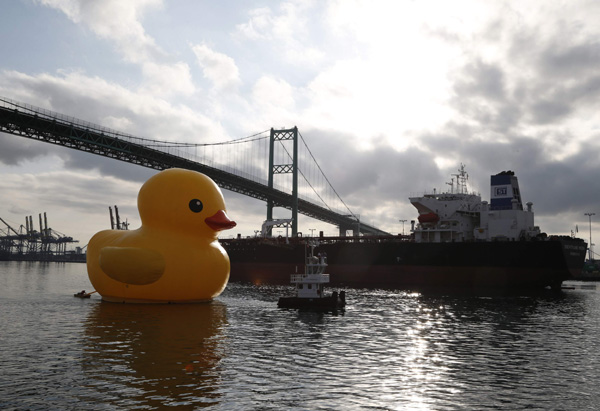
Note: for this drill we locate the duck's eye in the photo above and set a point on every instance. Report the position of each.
(196, 205)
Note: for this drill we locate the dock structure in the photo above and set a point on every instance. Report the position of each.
(27, 244)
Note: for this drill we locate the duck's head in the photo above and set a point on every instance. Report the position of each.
(183, 200)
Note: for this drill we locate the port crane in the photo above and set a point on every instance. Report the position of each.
(26, 243)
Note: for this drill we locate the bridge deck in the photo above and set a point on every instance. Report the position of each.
(54, 128)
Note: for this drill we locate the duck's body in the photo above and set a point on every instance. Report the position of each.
(175, 255)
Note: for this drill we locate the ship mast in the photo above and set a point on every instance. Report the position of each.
(451, 184)
(461, 180)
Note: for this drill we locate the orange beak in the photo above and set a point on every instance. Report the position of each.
(220, 221)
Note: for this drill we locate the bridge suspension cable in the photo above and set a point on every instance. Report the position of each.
(324, 176)
(247, 139)
(240, 165)
(308, 181)
(252, 163)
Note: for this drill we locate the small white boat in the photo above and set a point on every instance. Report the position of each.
(309, 285)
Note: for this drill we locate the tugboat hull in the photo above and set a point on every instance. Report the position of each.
(331, 302)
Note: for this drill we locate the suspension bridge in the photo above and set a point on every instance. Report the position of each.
(294, 179)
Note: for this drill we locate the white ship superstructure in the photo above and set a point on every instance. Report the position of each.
(458, 215)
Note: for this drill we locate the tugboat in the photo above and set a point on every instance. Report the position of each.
(309, 286)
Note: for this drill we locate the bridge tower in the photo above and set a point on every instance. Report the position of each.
(282, 135)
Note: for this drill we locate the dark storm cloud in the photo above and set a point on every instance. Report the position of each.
(18, 210)
(79, 160)
(484, 152)
(553, 101)
(561, 60)
(514, 112)
(571, 184)
(362, 176)
(482, 80)
(480, 94)
(557, 74)
(247, 212)
(549, 111)
(99, 103)
(104, 104)
(15, 149)
(544, 78)
(64, 190)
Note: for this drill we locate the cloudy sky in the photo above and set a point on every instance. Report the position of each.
(391, 96)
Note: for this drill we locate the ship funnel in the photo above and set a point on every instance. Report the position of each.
(505, 190)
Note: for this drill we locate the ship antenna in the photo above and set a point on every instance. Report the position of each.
(451, 184)
(457, 182)
(461, 180)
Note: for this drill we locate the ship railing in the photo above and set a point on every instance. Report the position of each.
(419, 228)
(438, 194)
(310, 278)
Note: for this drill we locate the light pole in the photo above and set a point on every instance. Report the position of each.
(590, 247)
(312, 230)
(402, 221)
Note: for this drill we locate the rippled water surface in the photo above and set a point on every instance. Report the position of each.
(390, 349)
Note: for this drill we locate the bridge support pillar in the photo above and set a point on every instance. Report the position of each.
(355, 227)
(281, 135)
(344, 230)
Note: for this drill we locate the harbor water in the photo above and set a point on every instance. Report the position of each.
(388, 350)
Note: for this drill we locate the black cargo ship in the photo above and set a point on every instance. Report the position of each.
(459, 241)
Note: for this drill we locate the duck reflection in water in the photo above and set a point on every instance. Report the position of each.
(155, 355)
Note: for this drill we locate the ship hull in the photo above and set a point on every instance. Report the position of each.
(390, 262)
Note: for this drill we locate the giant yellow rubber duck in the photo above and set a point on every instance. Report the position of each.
(174, 256)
